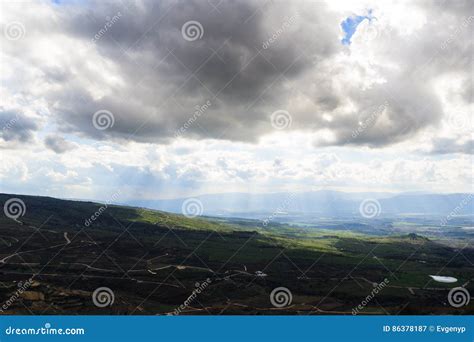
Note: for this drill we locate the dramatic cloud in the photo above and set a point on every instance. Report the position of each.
(143, 76)
(16, 126)
(253, 58)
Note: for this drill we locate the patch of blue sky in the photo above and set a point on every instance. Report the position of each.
(68, 2)
(349, 26)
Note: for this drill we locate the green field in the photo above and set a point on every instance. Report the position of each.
(152, 261)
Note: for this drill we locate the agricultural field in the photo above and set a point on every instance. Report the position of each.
(55, 257)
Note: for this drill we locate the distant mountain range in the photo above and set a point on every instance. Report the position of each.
(327, 203)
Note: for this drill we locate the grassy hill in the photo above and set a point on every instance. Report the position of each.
(152, 261)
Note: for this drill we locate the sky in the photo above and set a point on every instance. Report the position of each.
(171, 99)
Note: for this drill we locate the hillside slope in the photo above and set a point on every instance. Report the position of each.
(152, 262)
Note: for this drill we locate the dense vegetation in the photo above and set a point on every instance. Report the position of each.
(152, 261)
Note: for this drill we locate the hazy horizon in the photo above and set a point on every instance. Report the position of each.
(375, 193)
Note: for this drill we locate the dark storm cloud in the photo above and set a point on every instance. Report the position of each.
(389, 115)
(254, 57)
(16, 127)
(166, 76)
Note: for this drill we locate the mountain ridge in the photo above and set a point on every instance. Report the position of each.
(331, 203)
(326, 202)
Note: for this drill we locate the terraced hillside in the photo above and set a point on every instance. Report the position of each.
(60, 255)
